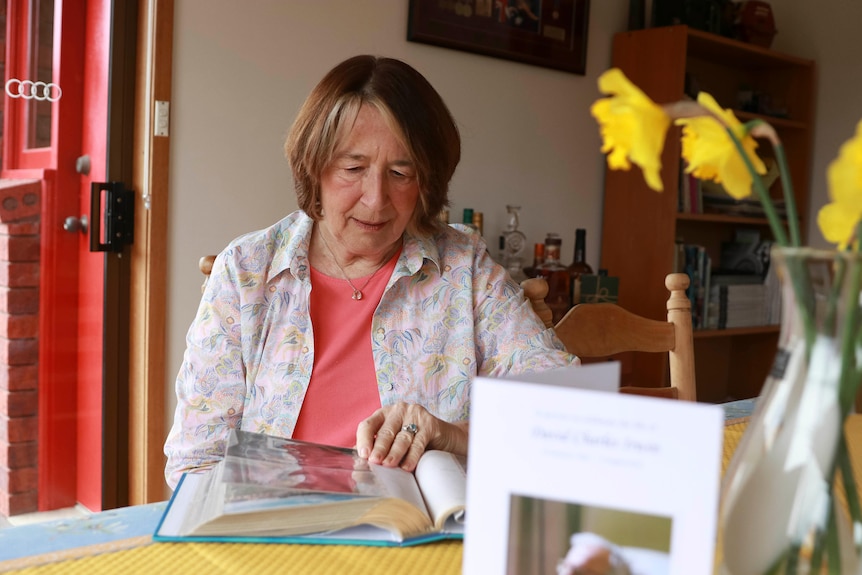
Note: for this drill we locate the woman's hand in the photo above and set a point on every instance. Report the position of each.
(398, 435)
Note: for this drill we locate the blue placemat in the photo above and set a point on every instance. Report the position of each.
(63, 534)
(739, 408)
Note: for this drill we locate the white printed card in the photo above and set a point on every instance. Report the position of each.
(562, 479)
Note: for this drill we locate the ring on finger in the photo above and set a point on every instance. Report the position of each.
(410, 428)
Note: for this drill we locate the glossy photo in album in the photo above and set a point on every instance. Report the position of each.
(280, 490)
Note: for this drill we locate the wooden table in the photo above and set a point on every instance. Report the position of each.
(139, 555)
(143, 556)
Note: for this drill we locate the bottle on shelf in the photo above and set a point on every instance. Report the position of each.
(467, 220)
(513, 242)
(579, 266)
(557, 276)
(538, 259)
(515, 270)
(478, 222)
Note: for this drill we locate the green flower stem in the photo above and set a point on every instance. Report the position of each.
(853, 333)
(765, 200)
(789, 196)
(833, 546)
(847, 477)
(776, 567)
(791, 566)
(798, 273)
(849, 383)
(801, 283)
(827, 544)
(830, 320)
(849, 388)
(816, 562)
(847, 283)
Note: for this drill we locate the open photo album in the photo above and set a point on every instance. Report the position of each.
(271, 489)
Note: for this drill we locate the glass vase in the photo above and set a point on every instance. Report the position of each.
(784, 506)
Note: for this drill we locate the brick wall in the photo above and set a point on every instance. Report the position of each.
(19, 352)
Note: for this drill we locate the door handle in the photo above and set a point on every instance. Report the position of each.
(73, 224)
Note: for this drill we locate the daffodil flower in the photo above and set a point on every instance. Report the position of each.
(838, 219)
(781, 484)
(632, 126)
(711, 153)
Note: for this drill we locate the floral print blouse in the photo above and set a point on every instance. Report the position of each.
(448, 314)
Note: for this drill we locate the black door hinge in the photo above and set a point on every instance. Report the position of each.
(119, 216)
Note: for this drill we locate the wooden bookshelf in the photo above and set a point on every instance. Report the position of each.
(640, 226)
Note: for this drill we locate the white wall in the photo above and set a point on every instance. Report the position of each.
(242, 69)
(826, 31)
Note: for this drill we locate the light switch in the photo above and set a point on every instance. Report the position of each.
(162, 119)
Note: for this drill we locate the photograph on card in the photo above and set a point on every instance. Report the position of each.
(570, 538)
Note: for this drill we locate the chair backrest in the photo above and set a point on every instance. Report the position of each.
(205, 264)
(602, 330)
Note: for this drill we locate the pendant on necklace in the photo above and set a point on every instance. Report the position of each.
(357, 295)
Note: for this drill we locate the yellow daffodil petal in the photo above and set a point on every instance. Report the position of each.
(845, 172)
(710, 152)
(838, 224)
(838, 220)
(632, 126)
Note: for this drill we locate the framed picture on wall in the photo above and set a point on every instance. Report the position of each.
(548, 33)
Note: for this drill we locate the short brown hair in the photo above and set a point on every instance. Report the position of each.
(408, 102)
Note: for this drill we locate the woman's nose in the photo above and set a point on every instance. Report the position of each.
(375, 191)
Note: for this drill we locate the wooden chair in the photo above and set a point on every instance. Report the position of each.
(601, 330)
(205, 264)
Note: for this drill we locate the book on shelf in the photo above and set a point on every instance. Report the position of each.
(694, 191)
(690, 195)
(745, 257)
(716, 200)
(740, 305)
(694, 260)
(744, 299)
(683, 197)
(272, 489)
(744, 208)
(724, 277)
(720, 296)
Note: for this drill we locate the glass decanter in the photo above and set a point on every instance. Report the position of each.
(514, 242)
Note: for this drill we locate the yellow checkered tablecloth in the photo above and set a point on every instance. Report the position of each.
(234, 558)
(231, 558)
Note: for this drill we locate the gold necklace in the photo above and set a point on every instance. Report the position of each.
(357, 292)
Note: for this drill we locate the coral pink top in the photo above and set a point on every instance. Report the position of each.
(343, 389)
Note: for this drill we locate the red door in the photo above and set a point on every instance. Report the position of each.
(68, 43)
(93, 146)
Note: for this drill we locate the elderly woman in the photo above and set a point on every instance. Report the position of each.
(358, 320)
